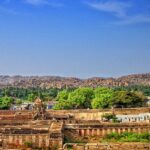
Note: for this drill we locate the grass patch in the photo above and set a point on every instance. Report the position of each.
(128, 137)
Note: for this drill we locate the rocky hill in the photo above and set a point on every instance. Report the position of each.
(62, 82)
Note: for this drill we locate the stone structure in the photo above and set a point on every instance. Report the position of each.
(116, 146)
(47, 129)
(144, 117)
(102, 129)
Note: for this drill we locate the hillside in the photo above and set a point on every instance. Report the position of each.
(62, 82)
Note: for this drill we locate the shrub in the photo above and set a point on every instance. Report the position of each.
(28, 144)
(128, 137)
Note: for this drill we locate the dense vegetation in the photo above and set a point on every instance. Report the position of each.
(5, 102)
(101, 97)
(128, 137)
(29, 94)
(136, 88)
(13, 95)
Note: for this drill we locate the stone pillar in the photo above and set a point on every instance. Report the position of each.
(139, 130)
(27, 138)
(40, 140)
(126, 129)
(10, 139)
(88, 132)
(123, 130)
(118, 130)
(108, 130)
(47, 141)
(37, 140)
(98, 132)
(85, 132)
(23, 139)
(15, 139)
(93, 132)
(34, 139)
(82, 132)
(113, 130)
(44, 141)
(78, 131)
(103, 132)
(129, 129)
(20, 140)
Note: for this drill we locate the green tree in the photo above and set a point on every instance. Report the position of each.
(63, 102)
(5, 102)
(81, 98)
(31, 97)
(53, 92)
(127, 99)
(63, 105)
(102, 98)
(62, 96)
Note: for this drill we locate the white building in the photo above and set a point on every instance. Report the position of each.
(147, 102)
(144, 117)
(24, 106)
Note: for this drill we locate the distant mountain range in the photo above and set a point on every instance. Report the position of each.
(71, 82)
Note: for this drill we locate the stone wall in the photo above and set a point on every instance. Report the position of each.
(83, 114)
(113, 146)
(37, 140)
(49, 133)
(96, 114)
(15, 141)
(44, 134)
(16, 115)
(101, 130)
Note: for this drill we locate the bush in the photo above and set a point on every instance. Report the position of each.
(128, 137)
(28, 144)
(109, 117)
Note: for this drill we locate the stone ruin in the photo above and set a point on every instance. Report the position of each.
(49, 129)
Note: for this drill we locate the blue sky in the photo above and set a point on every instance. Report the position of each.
(81, 38)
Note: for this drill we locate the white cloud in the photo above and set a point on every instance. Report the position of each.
(117, 8)
(36, 2)
(53, 3)
(6, 9)
(120, 10)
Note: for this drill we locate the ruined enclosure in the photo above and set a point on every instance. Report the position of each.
(105, 146)
(53, 129)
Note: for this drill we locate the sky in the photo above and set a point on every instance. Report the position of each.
(75, 38)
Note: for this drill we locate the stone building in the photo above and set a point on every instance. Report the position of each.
(144, 117)
(41, 128)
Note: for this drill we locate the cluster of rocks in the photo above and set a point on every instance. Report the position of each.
(71, 82)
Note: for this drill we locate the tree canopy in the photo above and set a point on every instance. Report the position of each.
(98, 98)
(5, 102)
(102, 98)
(126, 99)
(79, 98)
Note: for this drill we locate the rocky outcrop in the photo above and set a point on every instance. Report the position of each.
(62, 82)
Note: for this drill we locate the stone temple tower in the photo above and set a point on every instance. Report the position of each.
(39, 109)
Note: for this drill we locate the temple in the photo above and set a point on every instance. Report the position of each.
(49, 129)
